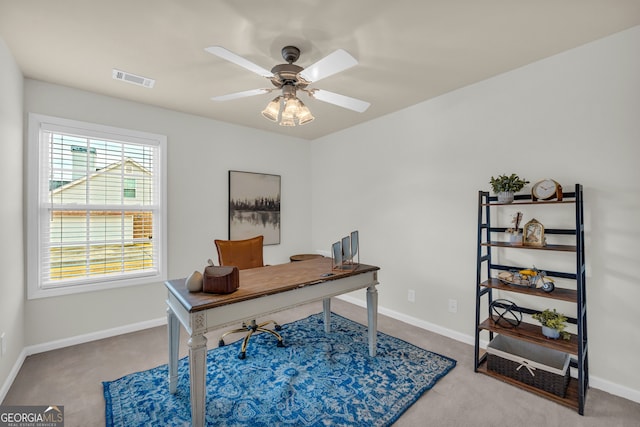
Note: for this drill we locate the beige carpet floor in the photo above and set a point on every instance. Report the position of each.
(73, 377)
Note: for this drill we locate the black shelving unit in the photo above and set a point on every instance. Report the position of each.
(486, 282)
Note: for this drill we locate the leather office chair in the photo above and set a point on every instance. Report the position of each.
(245, 254)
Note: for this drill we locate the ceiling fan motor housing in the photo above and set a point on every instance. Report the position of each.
(290, 54)
(284, 74)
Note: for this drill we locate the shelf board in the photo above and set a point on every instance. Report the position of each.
(558, 293)
(570, 400)
(529, 202)
(561, 248)
(533, 334)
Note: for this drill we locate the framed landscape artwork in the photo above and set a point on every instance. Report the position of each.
(254, 206)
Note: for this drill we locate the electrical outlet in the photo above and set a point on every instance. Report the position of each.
(411, 295)
(3, 344)
(453, 306)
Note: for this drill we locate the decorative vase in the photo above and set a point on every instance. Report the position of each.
(550, 333)
(505, 197)
(515, 238)
(194, 282)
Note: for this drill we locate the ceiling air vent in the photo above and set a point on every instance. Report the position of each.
(132, 78)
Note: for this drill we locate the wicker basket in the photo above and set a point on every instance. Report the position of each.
(537, 366)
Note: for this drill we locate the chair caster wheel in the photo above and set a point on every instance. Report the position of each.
(280, 344)
(221, 343)
(242, 355)
(277, 327)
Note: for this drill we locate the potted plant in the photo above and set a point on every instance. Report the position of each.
(505, 185)
(553, 324)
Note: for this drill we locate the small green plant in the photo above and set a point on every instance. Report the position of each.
(553, 320)
(507, 183)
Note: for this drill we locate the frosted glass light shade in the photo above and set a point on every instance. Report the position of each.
(272, 110)
(304, 115)
(287, 121)
(290, 107)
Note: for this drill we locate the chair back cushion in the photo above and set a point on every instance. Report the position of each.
(241, 253)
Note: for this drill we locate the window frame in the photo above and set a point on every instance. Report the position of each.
(34, 212)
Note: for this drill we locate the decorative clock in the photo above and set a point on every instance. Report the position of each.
(547, 189)
(533, 234)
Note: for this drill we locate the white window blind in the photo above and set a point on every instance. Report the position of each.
(100, 202)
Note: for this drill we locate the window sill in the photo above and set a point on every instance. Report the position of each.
(36, 293)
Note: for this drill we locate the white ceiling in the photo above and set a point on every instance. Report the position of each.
(408, 50)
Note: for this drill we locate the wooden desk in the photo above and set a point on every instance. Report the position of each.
(262, 291)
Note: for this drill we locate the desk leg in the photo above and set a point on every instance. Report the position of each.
(197, 372)
(372, 317)
(173, 327)
(326, 307)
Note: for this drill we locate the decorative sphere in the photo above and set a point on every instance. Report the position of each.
(194, 282)
(506, 313)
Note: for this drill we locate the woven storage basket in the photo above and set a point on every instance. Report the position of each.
(537, 366)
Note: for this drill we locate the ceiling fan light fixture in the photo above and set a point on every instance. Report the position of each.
(287, 109)
(304, 115)
(287, 121)
(272, 109)
(290, 107)
(294, 111)
(288, 114)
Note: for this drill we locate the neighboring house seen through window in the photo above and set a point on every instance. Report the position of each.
(129, 189)
(96, 207)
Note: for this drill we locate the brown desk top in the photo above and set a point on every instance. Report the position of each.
(257, 282)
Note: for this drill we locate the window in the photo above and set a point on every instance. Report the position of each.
(129, 190)
(96, 207)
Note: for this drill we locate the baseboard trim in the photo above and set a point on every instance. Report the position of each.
(12, 375)
(615, 389)
(67, 342)
(422, 324)
(94, 336)
(594, 382)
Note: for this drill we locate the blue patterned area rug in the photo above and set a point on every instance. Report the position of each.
(317, 379)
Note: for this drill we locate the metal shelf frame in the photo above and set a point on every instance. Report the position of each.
(486, 283)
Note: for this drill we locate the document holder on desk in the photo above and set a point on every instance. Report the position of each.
(345, 251)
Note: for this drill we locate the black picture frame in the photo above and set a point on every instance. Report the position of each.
(254, 206)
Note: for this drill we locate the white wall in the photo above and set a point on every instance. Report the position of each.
(409, 182)
(410, 187)
(200, 153)
(12, 289)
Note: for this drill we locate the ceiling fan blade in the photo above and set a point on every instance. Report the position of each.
(340, 100)
(238, 60)
(242, 94)
(331, 64)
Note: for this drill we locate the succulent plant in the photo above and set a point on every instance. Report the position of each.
(507, 183)
(553, 320)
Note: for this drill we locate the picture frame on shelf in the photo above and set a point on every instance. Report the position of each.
(533, 234)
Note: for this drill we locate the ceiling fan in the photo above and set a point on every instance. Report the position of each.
(290, 78)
